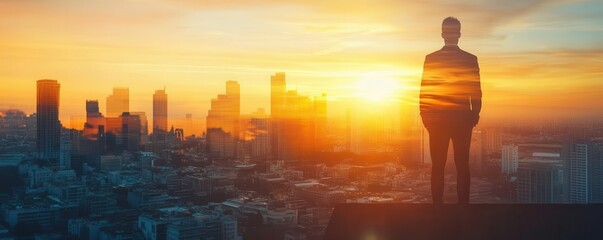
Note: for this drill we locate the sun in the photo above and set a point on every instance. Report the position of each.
(377, 89)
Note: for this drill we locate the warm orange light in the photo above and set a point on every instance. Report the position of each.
(377, 88)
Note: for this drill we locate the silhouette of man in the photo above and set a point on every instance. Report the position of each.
(450, 102)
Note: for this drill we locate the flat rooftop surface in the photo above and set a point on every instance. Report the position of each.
(474, 221)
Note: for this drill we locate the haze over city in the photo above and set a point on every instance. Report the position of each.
(538, 59)
(301, 120)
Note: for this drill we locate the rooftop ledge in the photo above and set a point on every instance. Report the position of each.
(474, 221)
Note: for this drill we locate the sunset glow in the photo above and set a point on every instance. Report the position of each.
(301, 119)
(378, 89)
(538, 59)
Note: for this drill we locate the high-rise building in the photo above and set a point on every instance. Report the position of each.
(222, 122)
(94, 119)
(278, 93)
(509, 159)
(118, 102)
(585, 172)
(294, 121)
(48, 125)
(144, 127)
(93, 143)
(476, 153)
(131, 131)
(160, 110)
(540, 181)
(189, 125)
(123, 133)
(296, 128)
(92, 109)
(259, 128)
(492, 140)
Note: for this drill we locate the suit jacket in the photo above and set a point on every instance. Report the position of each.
(450, 88)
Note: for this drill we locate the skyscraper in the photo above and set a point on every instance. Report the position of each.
(223, 122)
(540, 181)
(278, 94)
(259, 127)
(118, 102)
(92, 109)
(130, 130)
(296, 127)
(492, 138)
(94, 119)
(48, 125)
(294, 121)
(144, 127)
(123, 133)
(160, 110)
(509, 159)
(476, 153)
(585, 173)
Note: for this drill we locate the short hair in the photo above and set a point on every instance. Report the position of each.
(451, 24)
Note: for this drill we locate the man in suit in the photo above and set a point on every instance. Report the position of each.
(450, 103)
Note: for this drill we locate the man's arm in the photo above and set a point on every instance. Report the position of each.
(476, 93)
(424, 92)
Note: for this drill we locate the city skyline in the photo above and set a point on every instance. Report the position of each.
(301, 120)
(538, 58)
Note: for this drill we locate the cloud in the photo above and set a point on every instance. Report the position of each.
(483, 16)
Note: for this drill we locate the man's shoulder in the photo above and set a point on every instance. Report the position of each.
(451, 51)
(468, 54)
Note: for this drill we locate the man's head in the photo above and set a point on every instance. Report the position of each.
(451, 30)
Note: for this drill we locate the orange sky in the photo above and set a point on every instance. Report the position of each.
(538, 58)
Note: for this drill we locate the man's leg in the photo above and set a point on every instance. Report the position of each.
(461, 141)
(438, 147)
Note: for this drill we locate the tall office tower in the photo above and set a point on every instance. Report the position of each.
(223, 122)
(259, 129)
(123, 133)
(293, 120)
(509, 159)
(492, 138)
(189, 126)
(596, 181)
(585, 173)
(476, 153)
(540, 182)
(144, 127)
(160, 110)
(278, 92)
(118, 102)
(130, 129)
(92, 109)
(48, 125)
(233, 91)
(93, 143)
(94, 119)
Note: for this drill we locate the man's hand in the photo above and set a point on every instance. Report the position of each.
(475, 119)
